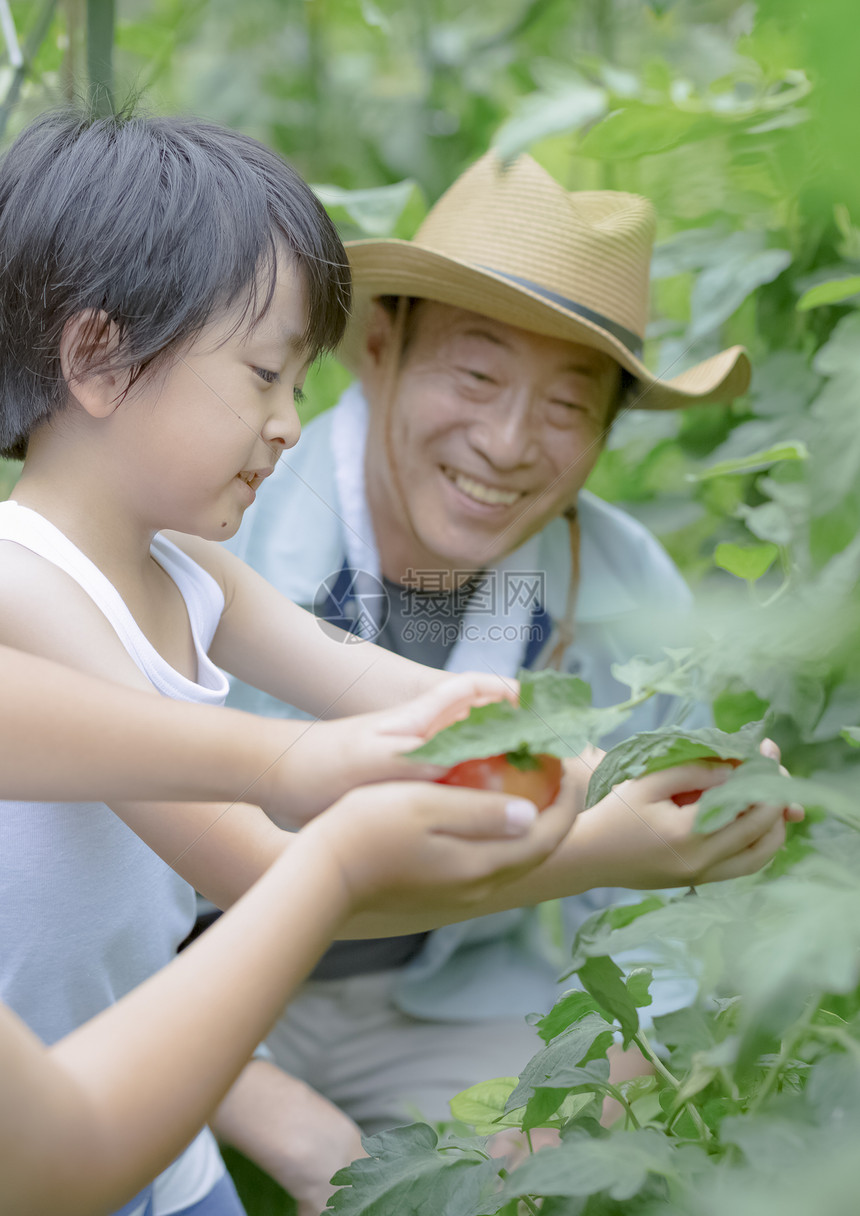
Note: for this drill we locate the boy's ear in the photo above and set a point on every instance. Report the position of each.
(89, 341)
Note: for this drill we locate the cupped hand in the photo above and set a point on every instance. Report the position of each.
(413, 847)
(640, 838)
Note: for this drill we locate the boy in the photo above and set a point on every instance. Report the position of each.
(114, 1101)
(165, 285)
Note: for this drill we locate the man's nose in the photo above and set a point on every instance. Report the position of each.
(506, 435)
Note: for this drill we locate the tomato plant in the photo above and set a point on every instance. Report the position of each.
(521, 774)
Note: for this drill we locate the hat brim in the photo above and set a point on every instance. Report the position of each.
(403, 268)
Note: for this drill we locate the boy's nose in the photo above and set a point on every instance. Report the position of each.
(283, 429)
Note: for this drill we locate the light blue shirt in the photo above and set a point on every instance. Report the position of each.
(631, 600)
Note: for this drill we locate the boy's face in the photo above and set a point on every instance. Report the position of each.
(213, 423)
(493, 432)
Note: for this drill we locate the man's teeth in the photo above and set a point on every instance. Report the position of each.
(482, 493)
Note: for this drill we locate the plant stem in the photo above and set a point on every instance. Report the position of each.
(641, 1041)
(799, 1030)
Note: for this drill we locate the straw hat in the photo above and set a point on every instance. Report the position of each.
(512, 244)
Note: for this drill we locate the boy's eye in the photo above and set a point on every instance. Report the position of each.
(299, 396)
(266, 375)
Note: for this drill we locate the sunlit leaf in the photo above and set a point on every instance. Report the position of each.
(832, 292)
(748, 562)
(795, 450)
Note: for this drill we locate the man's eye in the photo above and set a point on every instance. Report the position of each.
(267, 376)
(474, 374)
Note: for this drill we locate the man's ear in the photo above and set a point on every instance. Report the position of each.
(380, 326)
(89, 340)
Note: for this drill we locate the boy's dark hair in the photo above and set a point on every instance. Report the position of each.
(158, 223)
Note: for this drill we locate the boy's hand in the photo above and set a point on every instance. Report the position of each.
(330, 758)
(414, 847)
(640, 838)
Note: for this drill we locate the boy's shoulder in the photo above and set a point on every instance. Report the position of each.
(45, 612)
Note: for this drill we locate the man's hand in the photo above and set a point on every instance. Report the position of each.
(638, 837)
(288, 1130)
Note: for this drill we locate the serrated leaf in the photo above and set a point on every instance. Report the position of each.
(748, 562)
(619, 1164)
(653, 751)
(754, 462)
(572, 1059)
(555, 715)
(405, 1172)
(831, 292)
(604, 979)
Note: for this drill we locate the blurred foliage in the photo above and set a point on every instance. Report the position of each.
(739, 121)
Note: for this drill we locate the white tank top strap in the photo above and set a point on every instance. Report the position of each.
(203, 598)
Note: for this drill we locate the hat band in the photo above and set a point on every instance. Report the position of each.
(625, 336)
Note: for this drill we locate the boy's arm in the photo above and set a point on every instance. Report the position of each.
(113, 1102)
(270, 643)
(72, 736)
(95, 1105)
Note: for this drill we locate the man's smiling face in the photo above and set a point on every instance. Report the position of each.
(492, 433)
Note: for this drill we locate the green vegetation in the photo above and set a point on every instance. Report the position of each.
(739, 121)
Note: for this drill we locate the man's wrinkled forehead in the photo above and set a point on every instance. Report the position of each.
(448, 328)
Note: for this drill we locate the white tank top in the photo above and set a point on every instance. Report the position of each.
(87, 910)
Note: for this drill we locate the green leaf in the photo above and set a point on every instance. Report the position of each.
(639, 981)
(483, 1106)
(571, 1060)
(375, 211)
(721, 288)
(831, 292)
(732, 710)
(639, 130)
(604, 979)
(758, 780)
(405, 1172)
(549, 1107)
(554, 715)
(569, 1009)
(653, 751)
(754, 462)
(644, 675)
(618, 1164)
(851, 734)
(538, 115)
(748, 562)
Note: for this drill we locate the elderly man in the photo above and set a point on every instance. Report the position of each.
(439, 509)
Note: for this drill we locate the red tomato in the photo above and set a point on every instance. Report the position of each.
(688, 796)
(539, 784)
